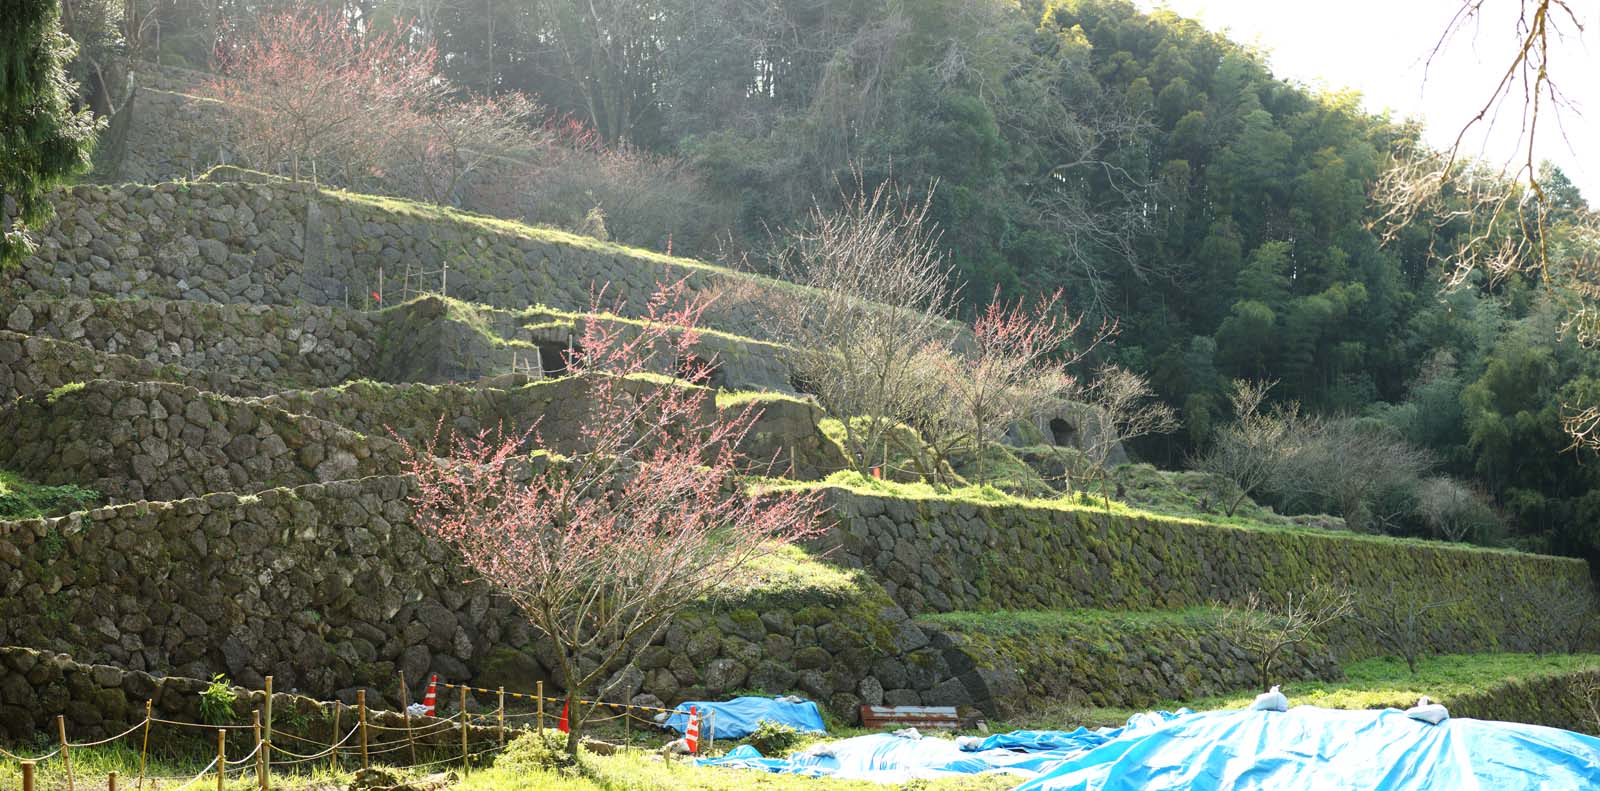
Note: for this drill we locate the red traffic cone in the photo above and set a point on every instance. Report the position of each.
(432, 695)
(562, 725)
(691, 733)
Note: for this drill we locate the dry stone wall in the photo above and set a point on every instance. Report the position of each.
(940, 556)
(162, 441)
(33, 364)
(305, 346)
(329, 588)
(288, 244)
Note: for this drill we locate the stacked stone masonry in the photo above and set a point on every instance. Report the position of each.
(329, 588)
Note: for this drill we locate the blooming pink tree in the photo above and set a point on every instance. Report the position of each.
(305, 87)
(601, 548)
(1018, 361)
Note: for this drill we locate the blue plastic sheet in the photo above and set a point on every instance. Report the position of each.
(888, 758)
(1304, 748)
(1329, 750)
(737, 718)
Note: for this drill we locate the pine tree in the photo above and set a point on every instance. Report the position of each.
(42, 138)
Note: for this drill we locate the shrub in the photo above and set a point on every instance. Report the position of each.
(216, 701)
(773, 738)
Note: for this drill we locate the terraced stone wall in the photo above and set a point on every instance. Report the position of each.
(32, 364)
(329, 588)
(941, 556)
(1117, 660)
(305, 346)
(162, 441)
(280, 243)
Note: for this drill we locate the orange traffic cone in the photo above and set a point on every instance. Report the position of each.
(562, 725)
(433, 694)
(691, 733)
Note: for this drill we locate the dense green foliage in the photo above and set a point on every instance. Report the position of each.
(42, 138)
(22, 499)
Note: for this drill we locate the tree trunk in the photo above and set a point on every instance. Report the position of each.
(574, 723)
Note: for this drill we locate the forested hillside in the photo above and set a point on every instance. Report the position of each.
(1157, 171)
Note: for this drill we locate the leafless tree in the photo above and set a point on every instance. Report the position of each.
(1267, 629)
(1561, 615)
(875, 290)
(1346, 463)
(1398, 619)
(1121, 407)
(1248, 452)
(1454, 511)
(1018, 362)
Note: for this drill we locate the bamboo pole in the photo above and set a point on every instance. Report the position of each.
(145, 748)
(361, 707)
(27, 776)
(222, 757)
(333, 752)
(266, 745)
(463, 727)
(66, 760)
(502, 716)
(405, 710)
(540, 689)
(255, 719)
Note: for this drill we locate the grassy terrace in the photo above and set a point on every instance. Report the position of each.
(1087, 503)
(1383, 682)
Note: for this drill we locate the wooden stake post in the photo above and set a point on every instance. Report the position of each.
(66, 760)
(111, 781)
(405, 709)
(361, 707)
(540, 690)
(145, 749)
(266, 744)
(463, 727)
(222, 757)
(255, 720)
(27, 776)
(502, 716)
(333, 752)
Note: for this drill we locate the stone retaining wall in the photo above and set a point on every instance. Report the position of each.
(288, 346)
(155, 440)
(329, 588)
(286, 244)
(1112, 659)
(941, 556)
(32, 364)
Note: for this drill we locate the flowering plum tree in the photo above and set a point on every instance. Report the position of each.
(602, 547)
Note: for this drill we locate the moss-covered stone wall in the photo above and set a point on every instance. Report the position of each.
(32, 364)
(1124, 660)
(330, 588)
(938, 555)
(162, 441)
(288, 244)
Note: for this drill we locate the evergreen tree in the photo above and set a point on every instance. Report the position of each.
(43, 139)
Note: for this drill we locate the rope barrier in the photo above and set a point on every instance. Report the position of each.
(250, 757)
(535, 698)
(195, 725)
(196, 778)
(75, 746)
(47, 756)
(329, 748)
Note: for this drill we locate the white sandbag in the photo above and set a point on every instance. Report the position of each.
(1428, 711)
(417, 710)
(1271, 700)
(908, 733)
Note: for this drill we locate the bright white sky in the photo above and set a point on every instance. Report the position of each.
(1380, 48)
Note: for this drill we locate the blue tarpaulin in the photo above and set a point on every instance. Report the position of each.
(1303, 748)
(889, 758)
(737, 718)
(1330, 750)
